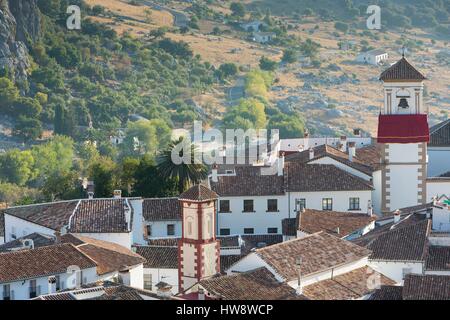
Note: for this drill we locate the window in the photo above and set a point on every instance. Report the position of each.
(327, 204)
(149, 230)
(170, 229)
(354, 204)
(6, 292)
(13, 233)
(406, 271)
(272, 230)
(189, 228)
(33, 289)
(147, 281)
(224, 232)
(249, 231)
(224, 205)
(248, 206)
(300, 204)
(272, 205)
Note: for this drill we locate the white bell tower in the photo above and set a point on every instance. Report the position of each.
(403, 133)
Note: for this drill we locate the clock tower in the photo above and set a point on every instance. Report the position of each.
(198, 249)
(403, 135)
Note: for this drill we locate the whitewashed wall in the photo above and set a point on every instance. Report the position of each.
(123, 239)
(159, 229)
(22, 228)
(169, 276)
(441, 219)
(260, 220)
(340, 200)
(138, 222)
(394, 269)
(21, 288)
(376, 193)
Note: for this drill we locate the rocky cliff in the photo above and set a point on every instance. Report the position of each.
(19, 28)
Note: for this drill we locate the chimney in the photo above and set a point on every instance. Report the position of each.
(281, 164)
(90, 195)
(51, 285)
(396, 216)
(337, 230)
(163, 289)
(117, 194)
(369, 209)
(357, 132)
(201, 294)
(343, 144)
(214, 176)
(351, 150)
(311, 153)
(306, 134)
(57, 237)
(299, 290)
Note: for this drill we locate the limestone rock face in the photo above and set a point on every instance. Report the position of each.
(20, 25)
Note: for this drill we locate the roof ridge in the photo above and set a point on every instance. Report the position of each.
(289, 241)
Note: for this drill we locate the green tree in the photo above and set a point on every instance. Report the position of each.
(54, 157)
(149, 183)
(128, 169)
(289, 56)
(237, 9)
(187, 172)
(267, 64)
(341, 26)
(28, 107)
(17, 167)
(8, 94)
(27, 128)
(248, 114)
(228, 70)
(102, 172)
(62, 186)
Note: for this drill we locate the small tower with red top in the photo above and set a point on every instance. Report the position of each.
(198, 249)
(403, 134)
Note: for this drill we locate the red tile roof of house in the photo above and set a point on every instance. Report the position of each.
(109, 256)
(403, 128)
(258, 284)
(100, 216)
(426, 287)
(440, 134)
(319, 252)
(161, 209)
(346, 223)
(199, 193)
(40, 262)
(348, 286)
(402, 71)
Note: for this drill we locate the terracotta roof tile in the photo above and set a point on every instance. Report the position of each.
(346, 223)
(440, 134)
(51, 215)
(42, 261)
(159, 257)
(108, 256)
(407, 243)
(199, 193)
(329, 151)
(388, 293)
(39, 240)
(161, 209)
(370, 156)
(100, 216)
(248, 181)
(170, 242)
(426, 287)
(319, 252)
(322, 177)
(438, 258)
(258, 284)
(402, 70)
(347, 286)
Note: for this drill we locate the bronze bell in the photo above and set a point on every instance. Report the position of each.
(403, 103)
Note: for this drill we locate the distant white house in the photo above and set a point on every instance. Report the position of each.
(252, 26)
(373, 57)
(263, 37)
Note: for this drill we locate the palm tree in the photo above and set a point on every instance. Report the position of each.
(187, 174)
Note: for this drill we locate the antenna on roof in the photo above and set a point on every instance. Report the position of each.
(403, 51)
